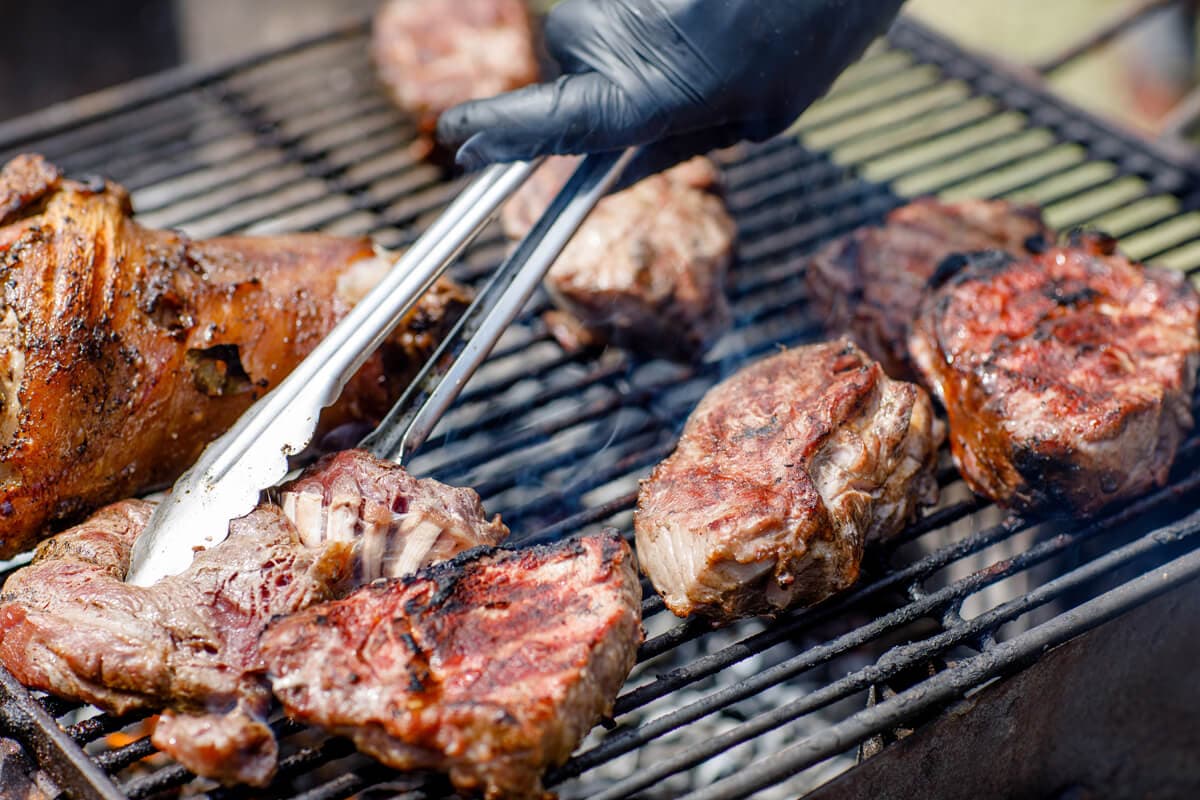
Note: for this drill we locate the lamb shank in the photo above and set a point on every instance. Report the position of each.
(124, 350)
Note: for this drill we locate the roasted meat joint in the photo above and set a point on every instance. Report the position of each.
(125, 350)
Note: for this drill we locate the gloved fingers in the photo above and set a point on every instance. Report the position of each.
(575, 114)
(674, 150)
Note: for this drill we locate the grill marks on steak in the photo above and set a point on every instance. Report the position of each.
(491, 666)
(647, 269)
(780, 476)
(124, 351)
(70, 625)
(869, 283)
(434, 54)
(1067, 376)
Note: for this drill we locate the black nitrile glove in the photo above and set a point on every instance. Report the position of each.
(685, 76)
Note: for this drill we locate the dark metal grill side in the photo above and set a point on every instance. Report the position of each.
(301, 139)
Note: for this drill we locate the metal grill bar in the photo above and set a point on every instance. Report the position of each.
(953, 682)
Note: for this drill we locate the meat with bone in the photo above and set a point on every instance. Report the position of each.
(647, 269)
(781, 475)
(124, 351)
(434, 54)
(1067, 376)
(869, 283)
(491, 666)
(398, 522)
(70, 625)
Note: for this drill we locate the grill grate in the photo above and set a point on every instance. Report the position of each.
(302, 139)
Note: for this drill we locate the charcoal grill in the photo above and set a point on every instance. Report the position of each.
(301, 138)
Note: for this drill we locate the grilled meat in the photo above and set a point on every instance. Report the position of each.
(647, 269)
(124, 351)
(1067, 376)
(491, 666)
(781, 475)
(434, 54)
(869, 283)
(70, 625)
(398, 521)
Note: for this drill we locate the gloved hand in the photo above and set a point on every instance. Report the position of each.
(684, 76)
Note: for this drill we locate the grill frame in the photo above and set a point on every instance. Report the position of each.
(843, 202)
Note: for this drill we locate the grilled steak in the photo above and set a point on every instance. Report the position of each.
(1067, 376)
(781, 475)
(70, 625)
(868, 284)
(434, 54)
(647, 269)
(491, 666)
(124, 351)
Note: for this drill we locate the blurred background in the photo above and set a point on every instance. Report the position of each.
(53, 50)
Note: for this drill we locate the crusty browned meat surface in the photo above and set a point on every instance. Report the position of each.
(781, 475)
(434, 54)
(491, 666)
(646, 270)
(70, 625)
(124, 351)
(868, 283)
(1067, 376)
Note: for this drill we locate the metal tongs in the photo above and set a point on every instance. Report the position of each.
(232, 472)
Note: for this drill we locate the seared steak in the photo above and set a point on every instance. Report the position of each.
(124, 351)
(70, 625)
(781, 475)
(647, 269)
(868, 283)
(1067, 376)
(491, 666)
(434, 54)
